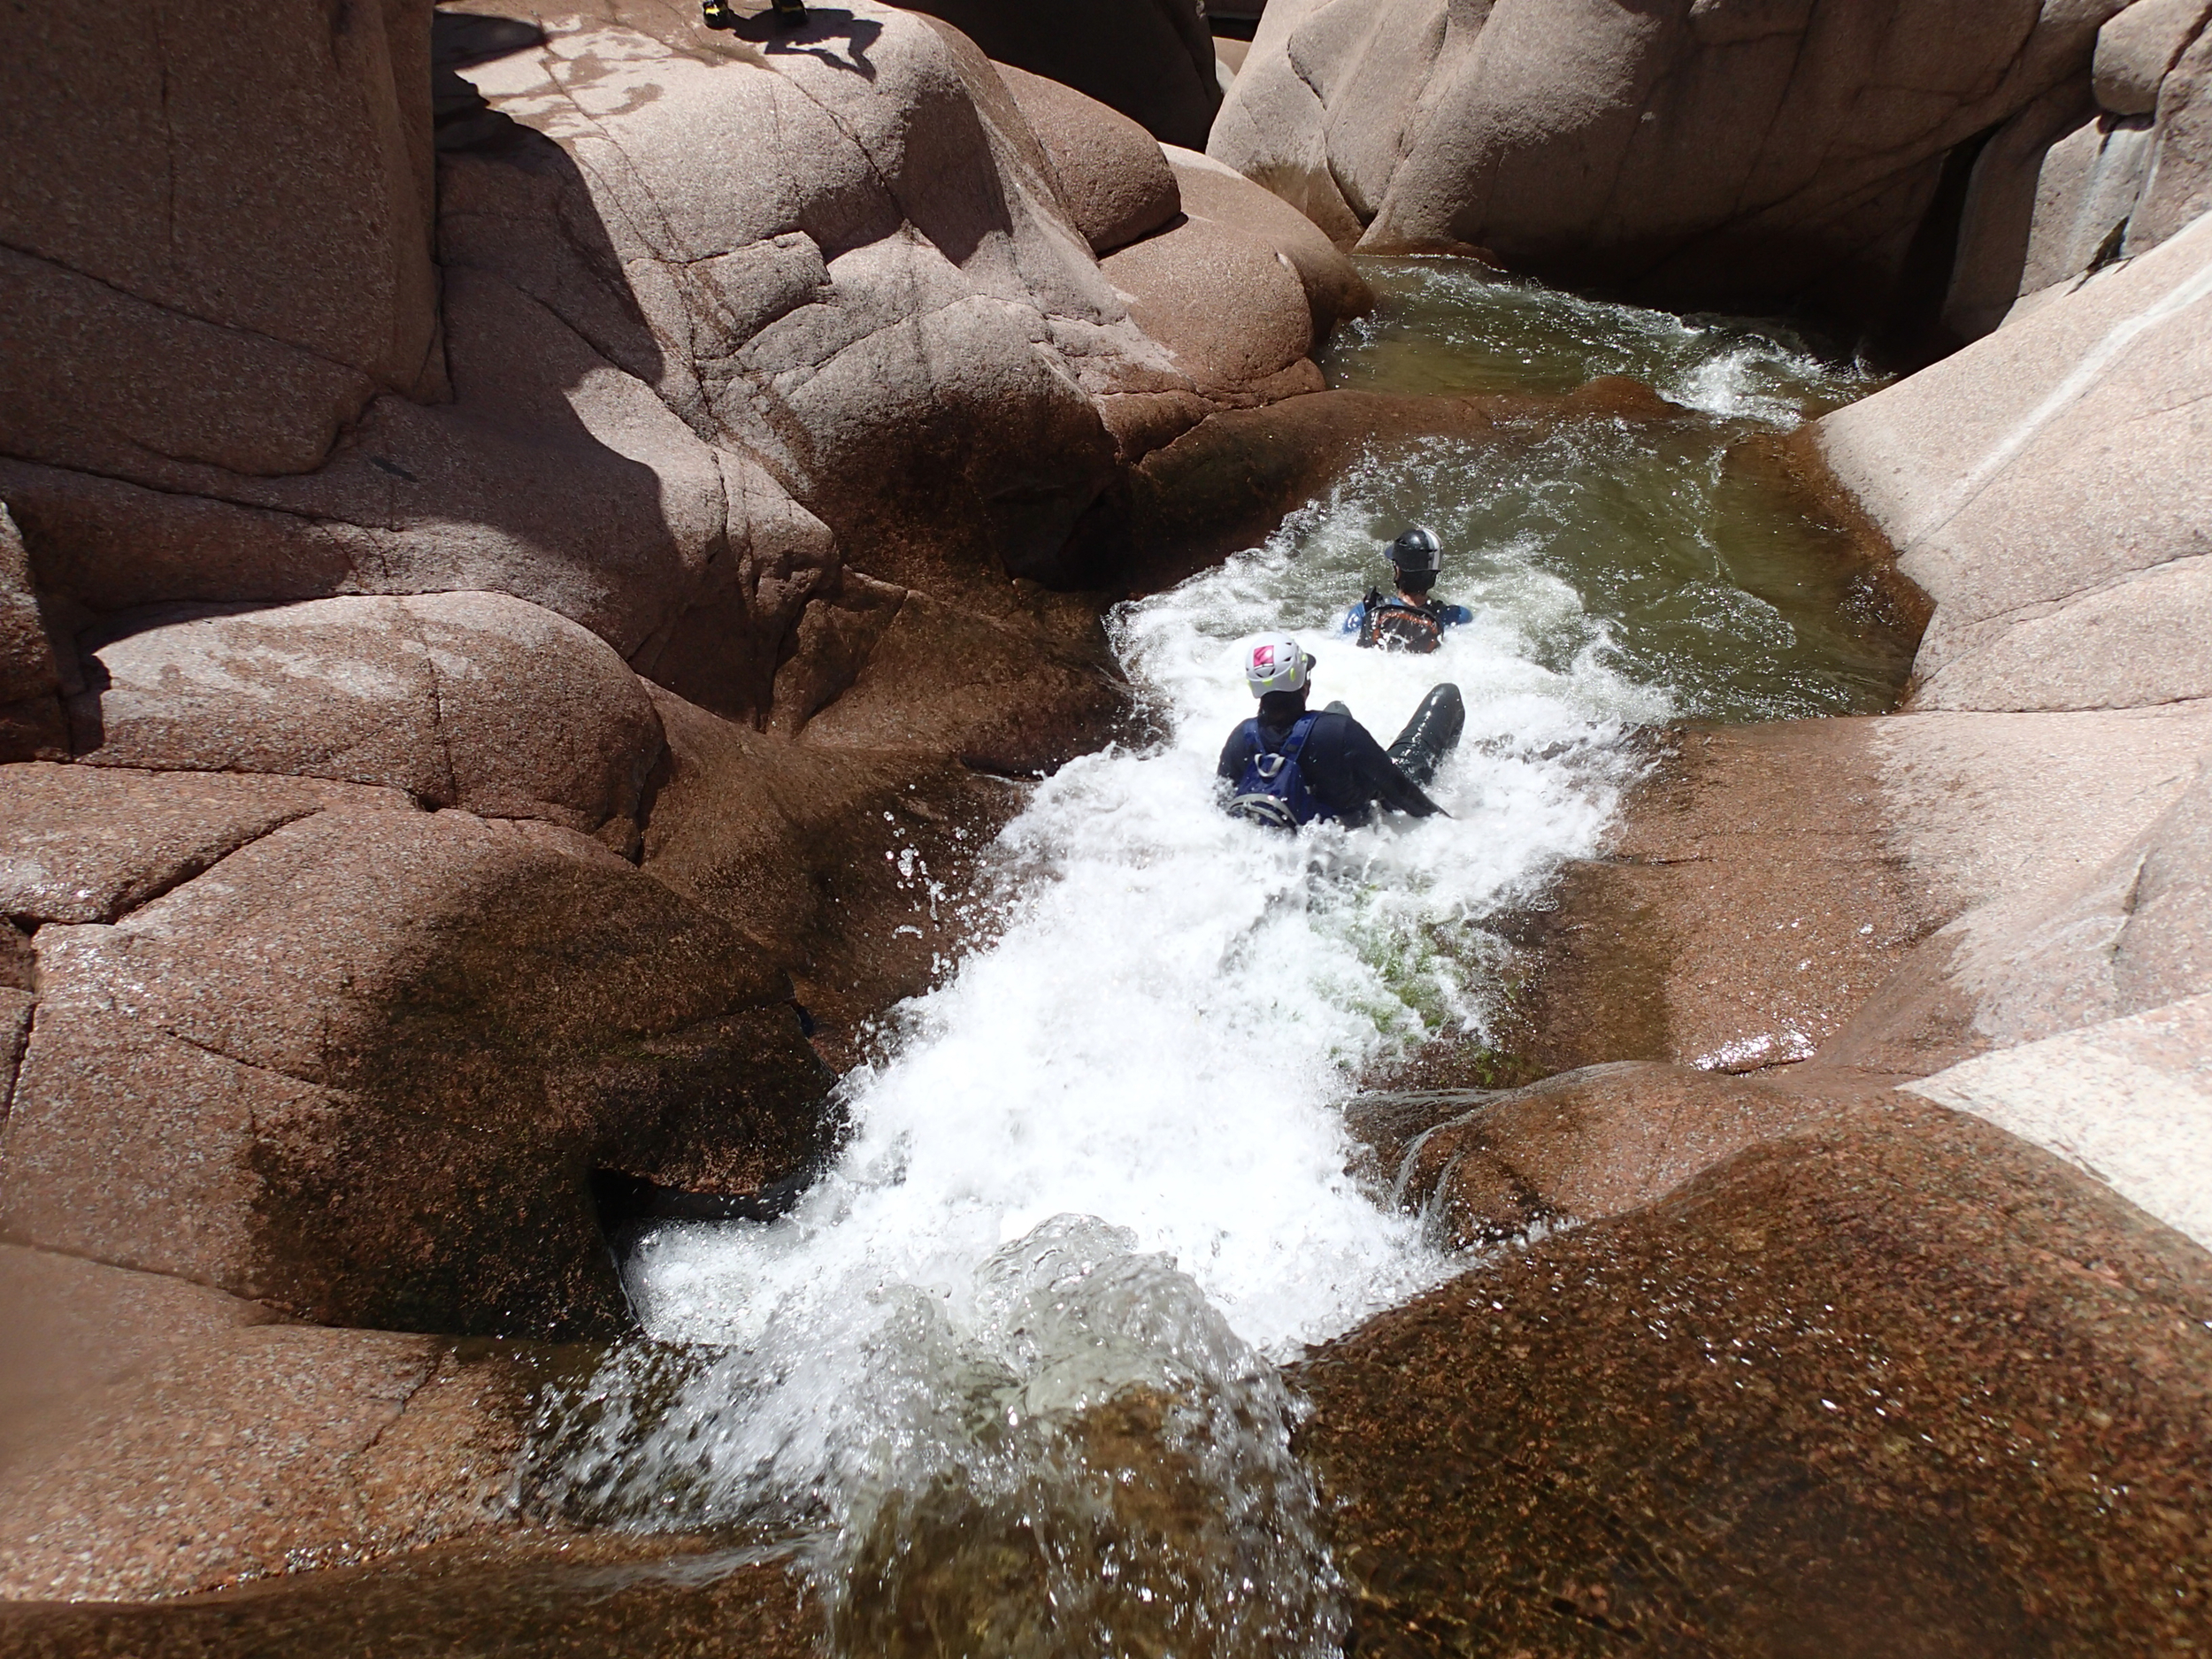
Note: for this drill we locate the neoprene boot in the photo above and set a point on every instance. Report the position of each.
(1431, 734)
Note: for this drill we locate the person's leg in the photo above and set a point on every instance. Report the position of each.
(1431, 734)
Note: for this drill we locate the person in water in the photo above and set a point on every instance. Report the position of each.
(1407, 620)
(1288, 767)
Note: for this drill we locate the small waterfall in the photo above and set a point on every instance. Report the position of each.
(1007, 1374)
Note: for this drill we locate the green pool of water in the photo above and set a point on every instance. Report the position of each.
(1700, 569)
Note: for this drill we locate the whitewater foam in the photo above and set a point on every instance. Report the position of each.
(1098, 1181)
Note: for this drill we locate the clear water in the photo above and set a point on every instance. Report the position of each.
(1708, 576)
(1009, 1368)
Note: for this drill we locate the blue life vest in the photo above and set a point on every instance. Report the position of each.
(1272, 790)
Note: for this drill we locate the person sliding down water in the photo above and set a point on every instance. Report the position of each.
(1409, 619)
(1288, 767)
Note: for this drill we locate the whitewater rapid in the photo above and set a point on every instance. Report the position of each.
(1104, 1161)
(1174, 1004)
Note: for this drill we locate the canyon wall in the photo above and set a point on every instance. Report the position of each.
(1914, 164)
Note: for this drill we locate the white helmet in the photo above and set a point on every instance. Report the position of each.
(1278, 665)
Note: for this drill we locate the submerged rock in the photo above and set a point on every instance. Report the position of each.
(1226, 483)
(1893, 1383)
(571, 1599)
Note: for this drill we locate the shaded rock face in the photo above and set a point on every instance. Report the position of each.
(2088, 173)
(33, 725)
(362, 1068)
(171, 263)
(1893, 1383)
(1153, 60)
(1731, 154)
(2136, 48)
(707, 411)
(787, 844)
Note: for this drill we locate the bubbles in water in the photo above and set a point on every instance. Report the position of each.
(1068, 1451)
(1450, 325)
(1710, 573)
(1009, 1367)
(1141, 1075)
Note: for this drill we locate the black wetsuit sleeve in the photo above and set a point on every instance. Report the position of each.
(1378, 775)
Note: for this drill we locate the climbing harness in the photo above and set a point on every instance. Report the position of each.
(1396, 625)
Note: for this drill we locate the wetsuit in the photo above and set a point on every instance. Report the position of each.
(1348, 771)
(1446, 616)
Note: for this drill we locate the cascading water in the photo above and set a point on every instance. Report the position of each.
(1008, 1370)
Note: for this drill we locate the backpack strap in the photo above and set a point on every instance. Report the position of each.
(1367, 607)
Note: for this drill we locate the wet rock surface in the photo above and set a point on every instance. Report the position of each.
(593, 1599)
(362, 1069)
(1893, 1383)
(1487, 1168)
(856, 869)
(1890, 894)
(1750, 903)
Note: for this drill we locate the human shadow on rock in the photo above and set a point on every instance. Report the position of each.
(812, 38)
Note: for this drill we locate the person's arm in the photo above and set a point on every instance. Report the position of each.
(1379, 775)
(1235, 754)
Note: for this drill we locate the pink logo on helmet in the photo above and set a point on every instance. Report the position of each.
(1264, 656)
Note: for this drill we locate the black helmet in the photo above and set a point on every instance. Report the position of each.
(1418, 550)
